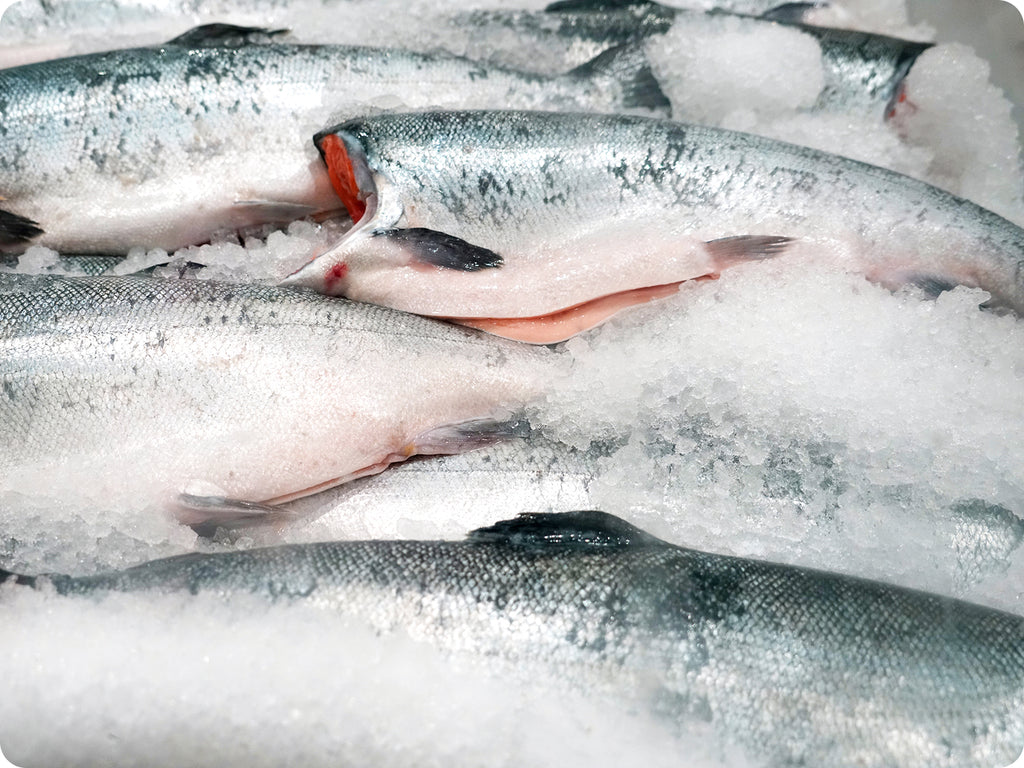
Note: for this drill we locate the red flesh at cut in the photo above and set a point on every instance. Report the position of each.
(343, 176)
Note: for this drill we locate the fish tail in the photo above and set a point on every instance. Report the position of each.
(17, 230)
(628, 67)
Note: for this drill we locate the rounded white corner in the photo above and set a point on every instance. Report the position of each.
(1019, 6)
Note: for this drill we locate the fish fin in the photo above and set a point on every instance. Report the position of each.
(627, 65)
(466, 435)
(437, 249)
(269, 211)
(575, 530)
(224, 36)
(571, 6)
(15, 229)
(727, 251)
(566, 323)
(792, 13)
(205, 514)
(6, 576)
(931, 285)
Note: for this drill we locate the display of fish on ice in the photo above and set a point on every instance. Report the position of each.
(43, 28)
(169, 146)
(798, 667)
(137, 390)
(539, 225)
(862, 72)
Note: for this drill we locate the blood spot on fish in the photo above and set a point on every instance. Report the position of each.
(342, 175)
(335, 274)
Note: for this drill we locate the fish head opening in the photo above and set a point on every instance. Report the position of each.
(347, 168)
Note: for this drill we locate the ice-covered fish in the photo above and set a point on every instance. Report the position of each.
(538, 225)
(135, 390)
(799, 667)
(862, 72)
(165, 147)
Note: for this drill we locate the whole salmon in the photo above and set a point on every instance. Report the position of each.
(168, 146)
(137, 390)
(537, 225)
(798, 667)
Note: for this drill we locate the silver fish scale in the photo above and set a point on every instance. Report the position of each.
(104, 150)
(803, 667)
(152, 383)
(515, 181)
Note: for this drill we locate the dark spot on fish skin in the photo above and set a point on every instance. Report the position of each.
(9, 390)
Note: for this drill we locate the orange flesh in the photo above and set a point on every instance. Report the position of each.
(566, 323)
(342, 175)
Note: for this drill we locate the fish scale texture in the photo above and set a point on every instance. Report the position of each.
(130, 388)
(803, 667)
(580, 206)
(103, 150)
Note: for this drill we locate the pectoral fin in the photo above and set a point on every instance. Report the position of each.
(428, 247)
(205, 514)
(273, 211)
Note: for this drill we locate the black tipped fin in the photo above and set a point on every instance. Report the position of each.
(628, 66)
(206, 514)
(588, 530)
(734, 250)
(437, 249)
(792, 13)
(5, 576)
(224, 36)
(574, 6)
(16, 230)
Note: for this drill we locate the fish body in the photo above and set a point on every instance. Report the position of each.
(166, 147)
(862, 71)
(136, 390)
(448, 494)
(800, 667)
(484, 216)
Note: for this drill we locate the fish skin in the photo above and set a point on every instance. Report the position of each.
(442, 496)
(449, 494)
(800, 667)
(862, 71)
(168, 146)
(132, 390)
(580, 206)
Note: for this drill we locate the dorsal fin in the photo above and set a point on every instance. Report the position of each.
(590, 6)
(224, 36)
(576, 530)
